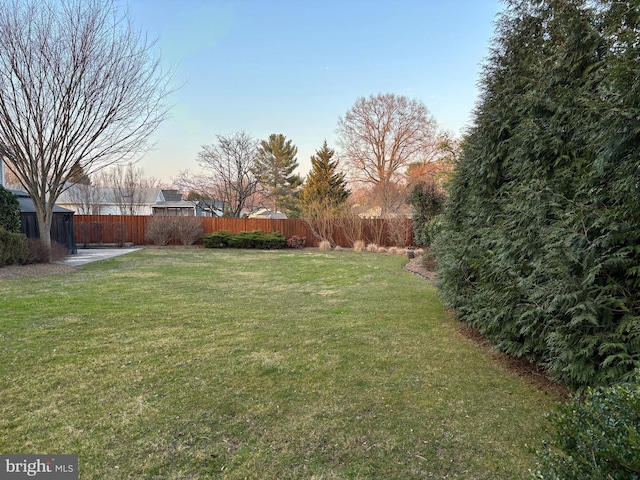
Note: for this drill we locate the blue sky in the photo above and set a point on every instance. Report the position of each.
(295, 66)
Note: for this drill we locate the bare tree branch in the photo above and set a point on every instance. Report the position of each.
(228, 173)
(129, 187)
(380, 135)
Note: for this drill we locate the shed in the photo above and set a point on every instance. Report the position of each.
(61, 225)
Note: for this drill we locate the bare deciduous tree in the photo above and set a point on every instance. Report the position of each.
(380, 135)
(129, 187)
(228, 176)
(86, 198)
(79, 87)
(321, 218)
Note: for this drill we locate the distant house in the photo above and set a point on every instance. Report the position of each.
(90, 200)
(170, 202)
(266, 213)
(209, 208)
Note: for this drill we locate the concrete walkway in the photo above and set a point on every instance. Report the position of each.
(88, 255)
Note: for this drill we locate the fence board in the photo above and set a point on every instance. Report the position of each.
(119, 229)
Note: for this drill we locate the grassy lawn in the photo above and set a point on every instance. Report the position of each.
(193, 363)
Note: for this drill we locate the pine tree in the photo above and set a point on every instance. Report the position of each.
(324, 182)
(78, 175)
(274, 167)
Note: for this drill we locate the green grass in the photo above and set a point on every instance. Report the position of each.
(194, 363)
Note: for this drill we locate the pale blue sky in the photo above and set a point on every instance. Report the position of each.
(295, 66)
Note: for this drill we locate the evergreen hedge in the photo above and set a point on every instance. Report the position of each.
(14, 248)
(540, 242)
(251, 239)
(9, 211)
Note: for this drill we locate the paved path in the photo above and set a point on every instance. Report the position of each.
(88, 255)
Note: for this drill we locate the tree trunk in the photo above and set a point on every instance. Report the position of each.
(44, 214)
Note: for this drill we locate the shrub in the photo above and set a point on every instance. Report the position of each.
(540, 247)
(38, 253)
(351, 226)
(428, 260)
(187, 230)
(218, 239)
(372, 247)
(296, 242)
(13, 248)
(251, 239)
(120, 233)
(598, 438)
(425, 233)
(324, 246)
(398, 231)
(9, 211)
(428, 200)
(159, 230)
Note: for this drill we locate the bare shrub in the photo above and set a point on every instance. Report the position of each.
(320, 218)
(296, 242)
(376, 230)
(429, 260)
(162, 229)
(39, 251)
(398, 230)
(358, 246)
(84, 233)
(325, 246)
(159, 230)
(120, 233)
(350, 225)
(187, 230)
(97, 229)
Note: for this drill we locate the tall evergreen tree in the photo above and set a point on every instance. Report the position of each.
(540, 246)
(275, 168)
(324, 182)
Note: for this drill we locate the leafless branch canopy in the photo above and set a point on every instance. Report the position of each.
(381, 134)
(228, 176)
(129, 187)
(78, 85)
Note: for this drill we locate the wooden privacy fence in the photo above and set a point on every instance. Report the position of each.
(120, 229)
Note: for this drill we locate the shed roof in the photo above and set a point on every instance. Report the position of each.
(26, 203)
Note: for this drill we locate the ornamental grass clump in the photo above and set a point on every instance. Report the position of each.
(324, 246)
(358, 246)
